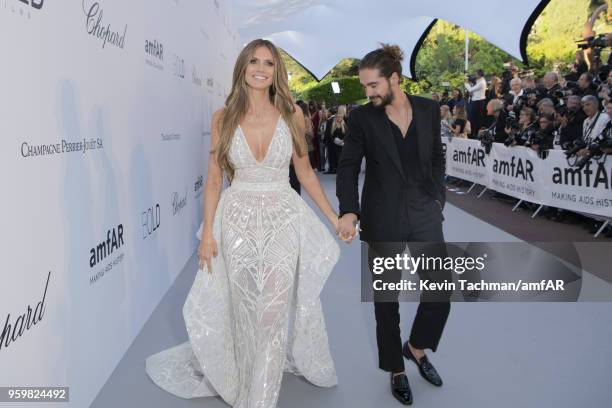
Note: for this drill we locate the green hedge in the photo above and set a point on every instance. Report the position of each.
(350, 92)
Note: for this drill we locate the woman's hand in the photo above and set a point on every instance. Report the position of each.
(336, 224)
(206, 250)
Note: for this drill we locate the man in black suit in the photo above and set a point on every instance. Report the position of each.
(402, 201)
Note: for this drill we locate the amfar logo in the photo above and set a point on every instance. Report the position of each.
(586, 177)
(155, 49)
(151, 220)
(515, 169)
(114, 240)
(178, 203)
(24, 322)
(472, 156)
(95, 26)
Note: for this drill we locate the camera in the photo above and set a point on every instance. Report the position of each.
(598, 41)
(594, 150)
(486, 137)
(573, 148)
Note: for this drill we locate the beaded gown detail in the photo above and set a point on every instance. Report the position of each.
(258, 313)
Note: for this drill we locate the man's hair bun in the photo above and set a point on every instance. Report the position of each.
(393, 51)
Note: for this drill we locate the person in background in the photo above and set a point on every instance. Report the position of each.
(585, 85)
(445, 98)
(516, 89)
(336, 128)
(571, 129)
(546, 107)
(456, 100)
(313, 108)
(528, 126)
(477, 101)
(309, 133)
(446, 121)
(529, 85)
(495, 91)
(497, 119)
(595, 121)
(461, 125)
(324, 115)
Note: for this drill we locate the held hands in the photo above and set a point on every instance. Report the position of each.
(206, 250)
(346, 229)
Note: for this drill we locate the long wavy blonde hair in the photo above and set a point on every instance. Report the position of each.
(237, 104)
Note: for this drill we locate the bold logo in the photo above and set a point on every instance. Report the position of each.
(151, 220)
(179, 66)
(12, 331)
(95, 26)
(114, 240)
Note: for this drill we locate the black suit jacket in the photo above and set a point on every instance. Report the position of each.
(384, 191)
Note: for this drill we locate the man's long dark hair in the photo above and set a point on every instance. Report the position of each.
(387, 59)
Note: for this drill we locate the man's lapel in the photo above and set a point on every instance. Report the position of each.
(423, 126)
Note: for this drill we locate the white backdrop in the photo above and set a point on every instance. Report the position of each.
(105, 117)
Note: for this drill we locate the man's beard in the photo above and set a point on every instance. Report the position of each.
(384, 100)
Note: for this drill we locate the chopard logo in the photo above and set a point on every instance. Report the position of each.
(95, 26)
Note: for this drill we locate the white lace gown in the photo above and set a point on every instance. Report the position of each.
(258, 313)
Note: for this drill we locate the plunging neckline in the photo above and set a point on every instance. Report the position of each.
(269, 144)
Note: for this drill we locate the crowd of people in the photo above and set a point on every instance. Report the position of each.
(325, 132)
(570, 112)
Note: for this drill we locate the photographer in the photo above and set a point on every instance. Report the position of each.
(585, 85)
(571, 123)
(543, 138)
(516, 89)
(477, 100)
(496, 131)
(546, 106)
(552, 89)
(607, 132)
(522, 131)
(595, 122)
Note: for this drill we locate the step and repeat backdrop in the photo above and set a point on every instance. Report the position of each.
(105, 115)
(519, 172)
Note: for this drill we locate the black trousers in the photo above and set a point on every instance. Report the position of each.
(477, 117)
(421, 222)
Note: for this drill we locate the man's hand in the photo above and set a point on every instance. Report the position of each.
(346, 227)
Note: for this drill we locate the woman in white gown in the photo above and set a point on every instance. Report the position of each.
(253, 311)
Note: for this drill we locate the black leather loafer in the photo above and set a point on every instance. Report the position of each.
(426, 369)
(400, 388)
